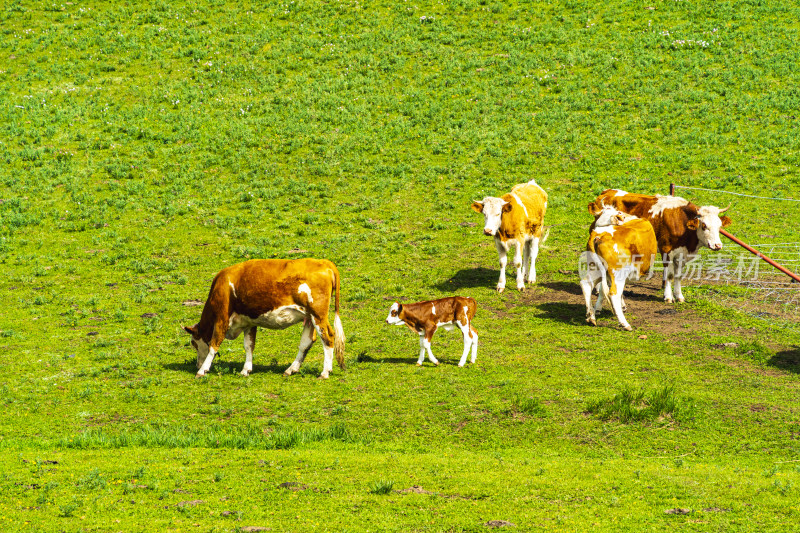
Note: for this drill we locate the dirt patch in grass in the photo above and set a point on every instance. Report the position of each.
(563, 301)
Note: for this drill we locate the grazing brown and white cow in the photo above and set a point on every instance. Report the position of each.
(516, 217)
(273, 294)
(681, 229)
(619, 247)
(424, 318)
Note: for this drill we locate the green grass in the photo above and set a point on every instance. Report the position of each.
(144, 147)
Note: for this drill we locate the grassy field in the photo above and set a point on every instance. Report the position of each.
(146, 146)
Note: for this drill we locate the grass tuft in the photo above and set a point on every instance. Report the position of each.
(640, 406)
(381, 487)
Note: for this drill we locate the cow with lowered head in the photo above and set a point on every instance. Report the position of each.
(516, 218)
(272, 294)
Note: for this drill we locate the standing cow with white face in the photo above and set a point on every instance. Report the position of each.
(680, 226)
(516, 218)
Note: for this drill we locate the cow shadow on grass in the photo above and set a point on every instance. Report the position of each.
(364, 358)
(633, 290)
(410, 360)
(469, 278)
(226, 367)
(566, 313)
(788, 360)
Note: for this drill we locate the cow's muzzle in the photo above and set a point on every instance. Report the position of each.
(488, 232)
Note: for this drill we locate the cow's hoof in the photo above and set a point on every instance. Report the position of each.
(591, 321)
(681, 299)
(668, 300)
(419, 364)
(500, 289)
(245, 373)
(521, 288)
(200, 374)
(288, 373)
(324, 375)
(461, 365)
(627, 328)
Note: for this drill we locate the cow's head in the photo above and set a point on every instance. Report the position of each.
(609, 216)
(492, 209)
(707, 225)
(394, 315)
(200, 346)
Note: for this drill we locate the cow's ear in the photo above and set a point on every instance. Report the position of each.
(191, 331)
(477, 207)
(593, 210)
(399, 309)
(508, 206)
(725, 221)
(692, 224)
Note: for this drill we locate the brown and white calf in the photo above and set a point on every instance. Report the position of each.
(272, 294)
(424, 318)
(680, 226)
(619, 248)
(516, 218)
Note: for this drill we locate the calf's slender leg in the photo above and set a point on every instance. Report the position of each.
(427, 343)
(421, 349)
(465, 330)
(474, 344)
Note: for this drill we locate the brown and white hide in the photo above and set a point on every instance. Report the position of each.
(272, 294)
(424, 318)
(516, 218)
(681, 229)
(615, 253)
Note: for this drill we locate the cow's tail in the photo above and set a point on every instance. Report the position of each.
(544, 233)
(338, 331)
(606, 290)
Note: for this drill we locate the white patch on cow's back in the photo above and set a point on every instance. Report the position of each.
(305, 289)
(667, 202)
(604, 229)
(616, 248)
(519, 201)
(533, 182)
(620, 192)
(433, 309)
(233, 289)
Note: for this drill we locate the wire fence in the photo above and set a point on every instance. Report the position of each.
(737, 279)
